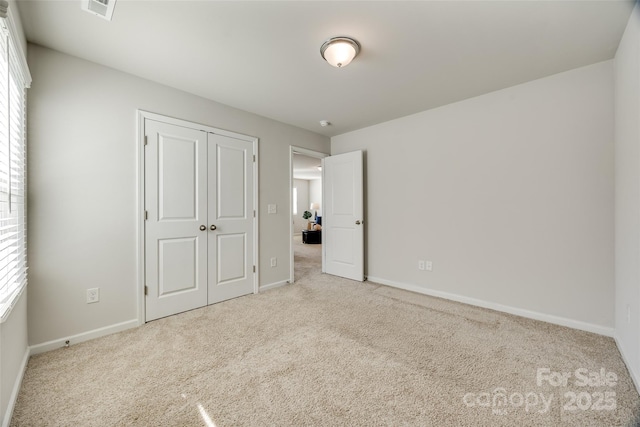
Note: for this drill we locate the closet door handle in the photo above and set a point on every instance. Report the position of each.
(203, 227)
(213, 227)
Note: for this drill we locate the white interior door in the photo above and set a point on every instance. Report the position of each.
(176, 205)
(343, 219)
(231, 214)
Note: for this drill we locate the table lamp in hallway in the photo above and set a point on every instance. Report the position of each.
(314, 207)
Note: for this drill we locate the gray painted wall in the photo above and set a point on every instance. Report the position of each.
(82, 187)
(627, 191)
(509, 194)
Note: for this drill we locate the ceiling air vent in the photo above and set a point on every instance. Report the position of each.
(101, 8)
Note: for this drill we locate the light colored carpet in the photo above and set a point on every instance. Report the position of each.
(330, 352)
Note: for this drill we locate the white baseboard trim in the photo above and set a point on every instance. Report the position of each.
(273, 285)
(556, 320)
(16, 389)
(630, 366)
(85, 336)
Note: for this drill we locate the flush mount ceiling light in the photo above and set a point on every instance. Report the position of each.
(339, 51)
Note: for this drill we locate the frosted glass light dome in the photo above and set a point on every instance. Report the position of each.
(339, 51)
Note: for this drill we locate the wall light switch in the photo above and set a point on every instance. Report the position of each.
(272, 209)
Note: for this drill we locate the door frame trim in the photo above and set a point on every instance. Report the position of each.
(310, 153)
(143, 115)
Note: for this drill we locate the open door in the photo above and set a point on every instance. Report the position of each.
(343, 220)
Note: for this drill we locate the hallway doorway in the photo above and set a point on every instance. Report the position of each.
(306, 194)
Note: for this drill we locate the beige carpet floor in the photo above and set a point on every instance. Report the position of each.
(332, 352)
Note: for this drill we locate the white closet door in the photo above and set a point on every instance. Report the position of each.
(176, 204)
(231, 214)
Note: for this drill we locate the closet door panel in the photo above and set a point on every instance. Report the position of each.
(176, 204)
(231, 215)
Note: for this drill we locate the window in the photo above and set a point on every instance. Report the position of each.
(295, 201)
(13, 233)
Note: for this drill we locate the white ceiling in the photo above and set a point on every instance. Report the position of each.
(263, 56)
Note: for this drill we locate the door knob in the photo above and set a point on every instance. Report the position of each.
(203, 227)
(213, 227)
(358, 222)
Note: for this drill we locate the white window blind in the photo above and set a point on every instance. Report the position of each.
(13, 233)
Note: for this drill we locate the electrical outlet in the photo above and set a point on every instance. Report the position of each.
(429, 266)
(272, 209)
(93, 295)
(274, 262)
(421, 265)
